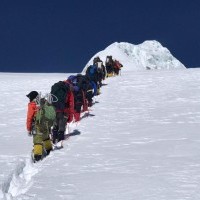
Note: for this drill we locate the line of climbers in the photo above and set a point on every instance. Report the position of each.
(111, 68)
(49, 116)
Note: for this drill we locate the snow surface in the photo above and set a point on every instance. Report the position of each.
(142, 144)
(148, 55)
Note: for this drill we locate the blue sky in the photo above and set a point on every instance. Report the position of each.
(62, 35)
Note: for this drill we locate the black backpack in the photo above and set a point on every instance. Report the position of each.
(82, 82)
(96, 60)
(109, 61)
(59, 93)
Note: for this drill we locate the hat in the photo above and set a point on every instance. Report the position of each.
(32, 95)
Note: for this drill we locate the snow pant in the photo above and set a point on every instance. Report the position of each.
(116, 71)
(77, 116)
(70, 117)
(41, 140)
(59, 129)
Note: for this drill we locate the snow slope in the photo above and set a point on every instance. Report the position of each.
(142, 144)
(148, 55)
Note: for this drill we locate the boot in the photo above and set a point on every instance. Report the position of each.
(47, 146)
(37, 158)
(61, 136)
(37, 152)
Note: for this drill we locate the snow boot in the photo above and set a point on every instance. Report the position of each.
(47, 146)
(37, 152)
(61, 136)
(37, 158)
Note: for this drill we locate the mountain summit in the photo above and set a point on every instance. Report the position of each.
(148, 55)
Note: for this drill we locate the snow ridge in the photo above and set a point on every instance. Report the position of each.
(148, 55)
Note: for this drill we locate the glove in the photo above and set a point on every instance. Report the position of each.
(29, 133)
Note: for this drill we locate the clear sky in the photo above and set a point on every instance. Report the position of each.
(62, 35)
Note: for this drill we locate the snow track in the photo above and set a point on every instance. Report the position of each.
(20, 180)
(16, 185)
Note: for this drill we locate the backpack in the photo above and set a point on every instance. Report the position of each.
(59, 92)
(109, 61)
(82, 82)
(117, 64)
(45, 113)
(96, 60)
(91, 72)
(72, 79)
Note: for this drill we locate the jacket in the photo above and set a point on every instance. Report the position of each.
(32, 109)
(69, 103)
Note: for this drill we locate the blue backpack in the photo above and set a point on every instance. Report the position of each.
(91, 71)
(72, 79)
